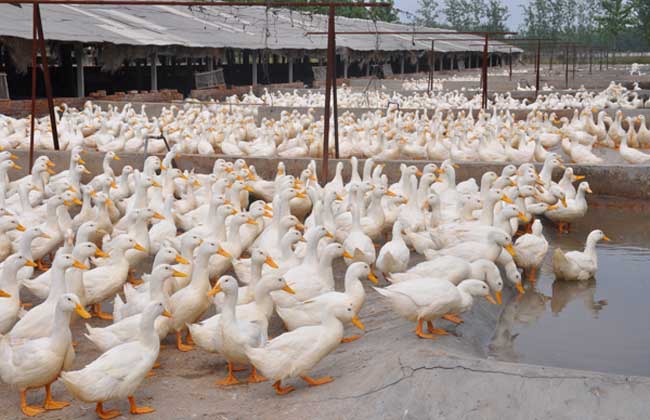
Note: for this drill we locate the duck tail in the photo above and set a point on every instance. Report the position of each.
(560, 263)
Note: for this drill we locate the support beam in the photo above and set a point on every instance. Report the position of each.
(346, 65)
(290, 69)
(154, 71)
(537, 64)
(254, 64)
(79, 58)
(402, 61)
(485, 73)
(210, 60)
(46, 76)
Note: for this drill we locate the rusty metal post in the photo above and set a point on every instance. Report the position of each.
(537, 64)
(33, 113)
(46, 76)
(485, 72)
(328, 92)
(510, 64)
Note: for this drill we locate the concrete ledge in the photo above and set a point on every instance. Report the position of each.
(627, 181)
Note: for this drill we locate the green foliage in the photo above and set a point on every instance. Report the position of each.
(615, 17)
(624, 24)
(476, 15)
(428, 13)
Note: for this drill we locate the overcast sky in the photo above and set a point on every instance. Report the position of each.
(513, 5)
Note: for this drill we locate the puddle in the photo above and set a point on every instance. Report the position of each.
(601, 325)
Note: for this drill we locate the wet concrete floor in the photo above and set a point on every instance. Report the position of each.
(601, 325)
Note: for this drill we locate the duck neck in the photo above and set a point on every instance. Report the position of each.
(200, 276)
(229, 308)
(156, 289)
(487, 213)
(52, 221)
(256, 272)
(590, 247)
(9, 281)
(148, 336)
(57, 286)
(60, 333)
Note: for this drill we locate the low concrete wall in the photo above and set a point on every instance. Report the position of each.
(613, 180)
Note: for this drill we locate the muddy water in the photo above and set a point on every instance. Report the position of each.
(601, 325)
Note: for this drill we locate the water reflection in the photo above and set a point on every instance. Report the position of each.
(524, 309)
(564, 292)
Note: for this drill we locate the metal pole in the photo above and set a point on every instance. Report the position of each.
(550, 63)
(154, 72)
(591, 53)
(538, 61)
(431, 64)
(290, 64)
(401, 65)
(510, 64)
(79, 54)
(334, 98)
(254, 64)
(485, 72)
(32, 116)
(46, 76)
(575, 59)
(328, 92)
(566, 67)
(607, 59)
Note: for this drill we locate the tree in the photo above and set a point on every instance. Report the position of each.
(463, 14)
(496, 15)
(642, 8)
(428, 13)
(615, 17)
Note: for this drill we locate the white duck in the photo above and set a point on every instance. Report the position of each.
(10, 291)
(309, 312)
(394, 255)
(296, 352)
(357, 244)
(32, 363)
(38, 321)
(105, 281)
(190, 302)
(421, 300)
(119, 372)
(577, 265)
(530, 250)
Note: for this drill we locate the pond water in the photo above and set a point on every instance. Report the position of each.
(601, 325)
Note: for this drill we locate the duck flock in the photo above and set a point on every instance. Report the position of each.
(162, 247)
(590, 136)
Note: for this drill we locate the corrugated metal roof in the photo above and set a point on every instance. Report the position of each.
(213, 27)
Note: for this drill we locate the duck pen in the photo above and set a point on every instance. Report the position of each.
(441, 248)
